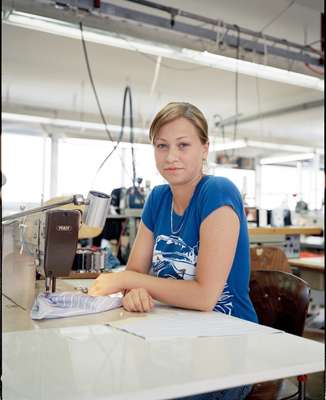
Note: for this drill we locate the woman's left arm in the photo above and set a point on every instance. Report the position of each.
(219, 234)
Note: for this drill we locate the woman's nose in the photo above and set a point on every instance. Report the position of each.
(172, 155)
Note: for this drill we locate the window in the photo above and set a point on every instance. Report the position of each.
(26, 162)
(79, 160)
(244, 179)
(314, 199)
(280, 183)
(26, 165)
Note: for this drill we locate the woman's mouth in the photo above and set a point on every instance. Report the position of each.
(172, 169)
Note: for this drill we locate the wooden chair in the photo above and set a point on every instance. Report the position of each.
(281, 301)
(268, 257)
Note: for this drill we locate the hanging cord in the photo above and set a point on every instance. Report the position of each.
(235, 126)
(100, 108)
(131, 123)
(93, 84)
(277, 16)
(274, 19)
(261, 130)
(314, 70)
(153, 59)
(321, 53)
(221, 126)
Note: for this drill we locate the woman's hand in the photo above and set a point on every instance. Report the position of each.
(107, 283)
(138, 300)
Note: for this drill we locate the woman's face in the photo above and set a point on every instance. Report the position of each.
(179, 152)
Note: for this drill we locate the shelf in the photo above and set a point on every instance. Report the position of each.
(286, 230)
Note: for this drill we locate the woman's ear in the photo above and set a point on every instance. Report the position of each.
(205, 153)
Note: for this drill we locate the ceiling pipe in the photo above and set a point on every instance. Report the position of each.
(231, 27)
(274, 113)
(70, 10)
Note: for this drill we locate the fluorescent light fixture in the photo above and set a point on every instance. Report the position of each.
(236, 144)
(256, 70)
(215, 145)
(197, 57)
(229, 120)
(320, 151)
(67, 29)
(287, 158)
(279, 146)
(34, 119)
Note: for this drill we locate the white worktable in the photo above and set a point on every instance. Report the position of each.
(311, 263)
(82, 358)
(312, 270)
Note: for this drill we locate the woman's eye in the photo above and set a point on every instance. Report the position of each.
(183, 145)
(161, 146)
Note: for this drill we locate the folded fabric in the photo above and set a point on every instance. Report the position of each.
(68, 304)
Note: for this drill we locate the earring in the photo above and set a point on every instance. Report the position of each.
(204, 166)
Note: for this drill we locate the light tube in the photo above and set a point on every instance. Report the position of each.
(214, 144)
(197, 57)
(66, 29)
(254, 69)
(278, 146)
(287, 158)
(236, 144)
(66, 123)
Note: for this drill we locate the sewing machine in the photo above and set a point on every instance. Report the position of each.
(43, 241)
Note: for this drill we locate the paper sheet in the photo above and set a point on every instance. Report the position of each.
(174, 323)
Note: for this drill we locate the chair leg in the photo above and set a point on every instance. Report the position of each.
(302, 379)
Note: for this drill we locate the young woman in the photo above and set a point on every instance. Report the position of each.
(192, 246)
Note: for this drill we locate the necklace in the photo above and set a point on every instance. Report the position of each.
(174, 232)
(183, 218)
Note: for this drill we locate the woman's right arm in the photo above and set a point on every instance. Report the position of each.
(140, 257)
(140, 260)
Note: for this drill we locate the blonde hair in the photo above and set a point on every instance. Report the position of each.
(177, 110)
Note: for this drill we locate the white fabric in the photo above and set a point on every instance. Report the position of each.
(68, 304)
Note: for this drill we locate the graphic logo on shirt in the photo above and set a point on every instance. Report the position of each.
(173, 258)
(225, 304)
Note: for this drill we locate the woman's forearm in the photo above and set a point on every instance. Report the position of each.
(179, 293)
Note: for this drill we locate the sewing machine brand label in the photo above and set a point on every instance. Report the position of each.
(64, 228)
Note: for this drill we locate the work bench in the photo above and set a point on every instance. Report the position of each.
(81, 357)
(286, 237)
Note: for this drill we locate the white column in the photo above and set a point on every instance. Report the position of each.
(315, 180)
(54, 165)
(258, 175)
(123, 162)
(300, 178)
(45, 136)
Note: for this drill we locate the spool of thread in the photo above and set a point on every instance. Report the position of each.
(78, 261)
(74, 264)
(99, 261)
(93, 260)
(102, 261)
(87, 260)
(105, 253)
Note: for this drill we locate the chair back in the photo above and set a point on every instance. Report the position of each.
(280, 299)
(268, 257)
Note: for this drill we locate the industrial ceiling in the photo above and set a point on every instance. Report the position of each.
(44, 74)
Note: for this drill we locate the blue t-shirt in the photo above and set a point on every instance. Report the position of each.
(176, 240)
